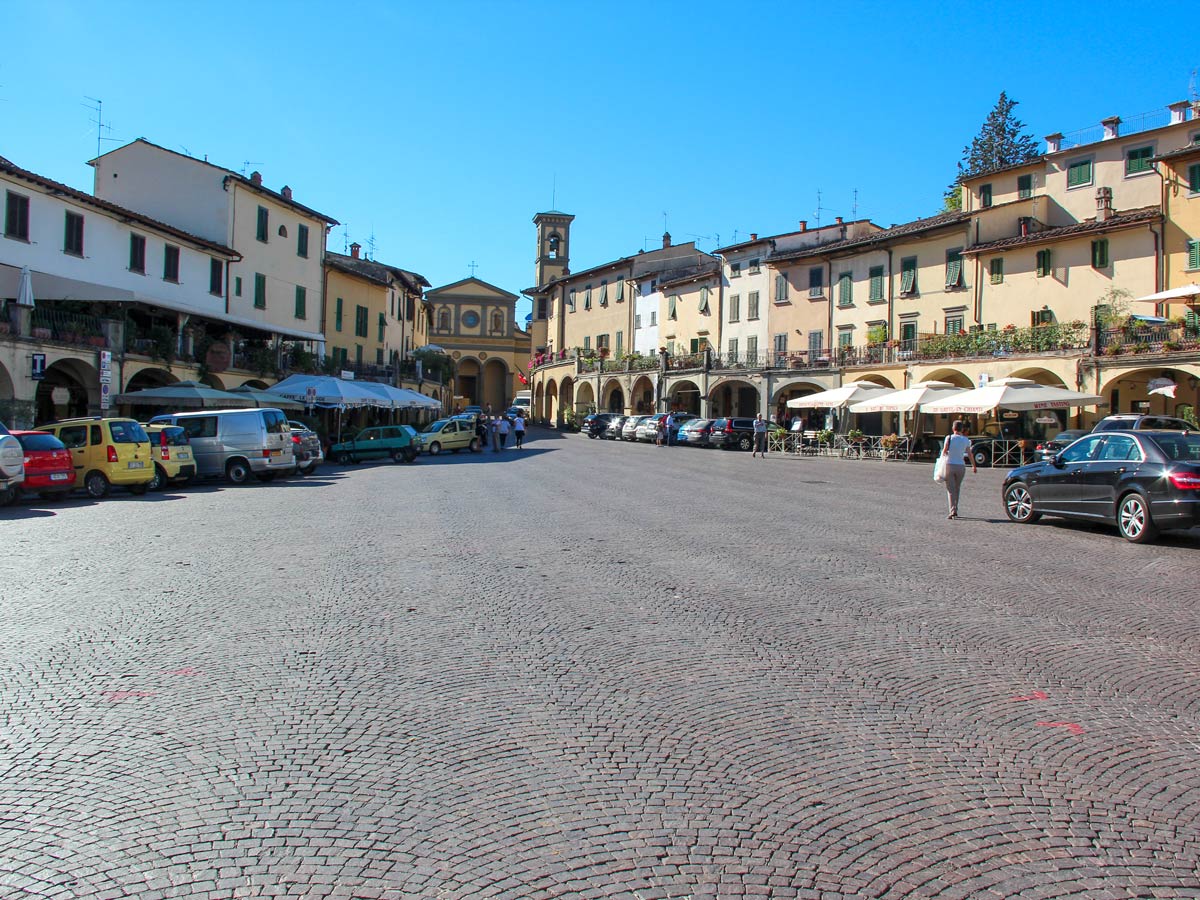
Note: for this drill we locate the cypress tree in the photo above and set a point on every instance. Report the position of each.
(1002, 141)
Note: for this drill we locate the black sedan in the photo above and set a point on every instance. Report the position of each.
(1140, 481)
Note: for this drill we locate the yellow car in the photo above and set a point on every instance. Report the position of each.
(106, 452)
(172, 455)
(448, 434)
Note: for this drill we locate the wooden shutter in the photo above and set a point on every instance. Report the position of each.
(621, 291)
(1194, 178)
(1043, 263)
(260, 290)
(302, 241)
(382, 326)
(876, 292)
(953, 268)
(301, 302)
(262, 224)
(604, 293)
(1194, 254)
(996, 268)
(1100, 254)
(337, 316)
(908, 275)
(845, 289)
(1024, 186)
(781, 288)
(704, 300)
(671, 307)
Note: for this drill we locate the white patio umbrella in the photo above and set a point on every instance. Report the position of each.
(1011, 393)
(908, 399)
(330, 391)
(840, 397)
(419, 400)
(1189, 293)
(25, 288)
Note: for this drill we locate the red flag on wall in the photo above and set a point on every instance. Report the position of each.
(524, 380)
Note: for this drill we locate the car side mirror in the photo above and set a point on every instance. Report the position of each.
(1057, 461)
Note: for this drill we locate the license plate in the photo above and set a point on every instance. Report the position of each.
(183, 454)
(137, 464)
(277, 453)
(58, 476)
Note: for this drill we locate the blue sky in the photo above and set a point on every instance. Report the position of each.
(443, 128)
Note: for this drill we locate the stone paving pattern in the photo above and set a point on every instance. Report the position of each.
(593, 670)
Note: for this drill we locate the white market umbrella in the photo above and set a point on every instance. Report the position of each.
(185, 395)
(1011, 393)
(329, 391)
(908, 399)
(420, 401)
(837, 398)
(25, 288)
(1189, 293)
(266, 398)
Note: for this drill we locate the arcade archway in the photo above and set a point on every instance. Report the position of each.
(614, 397)
(685, 397)
(733, 397)
(71, 388)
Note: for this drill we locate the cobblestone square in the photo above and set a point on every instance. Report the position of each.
(593, 670)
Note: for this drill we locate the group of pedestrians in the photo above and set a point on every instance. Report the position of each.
(495, 430)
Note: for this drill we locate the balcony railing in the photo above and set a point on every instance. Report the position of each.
(67, 328)
(1148, 338)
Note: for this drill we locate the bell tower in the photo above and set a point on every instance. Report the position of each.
(553, 245)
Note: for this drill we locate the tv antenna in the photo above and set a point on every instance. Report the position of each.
(371, 245)
(854, 208)
(101, 125)
(554, 191)
(1192, 87)
(247, 163)
(820, 208)
(346, 238)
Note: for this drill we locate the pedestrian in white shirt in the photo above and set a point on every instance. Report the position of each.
(519, 431)
(502, 429)
(957, 451)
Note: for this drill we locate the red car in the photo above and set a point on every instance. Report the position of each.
(48, 466)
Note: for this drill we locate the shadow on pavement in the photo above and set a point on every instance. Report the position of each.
(20, 512)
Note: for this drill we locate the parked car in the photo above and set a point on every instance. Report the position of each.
(172, 455)
(394, 442)
(306, 447)
(615, 425)
(1139, 481)
(106, 453)
(12, 466)
(474, 409)
(1060, 441)
(1141, 422)
(596, 424)
(732, 432)
(48, 468)
(629, 429)
(237, 443)
(648, 427)
(448, 434)
(695, 433)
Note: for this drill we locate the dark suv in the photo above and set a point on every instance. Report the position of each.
(595, 424)
(1141, 422)
(735, 432)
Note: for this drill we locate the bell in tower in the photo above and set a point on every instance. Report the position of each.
(553, 241)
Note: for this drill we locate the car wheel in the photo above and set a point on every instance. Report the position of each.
(237, 471)
(435, 448)
(265, 477)
(96, 485)
(410, 455)
(397, 455)
(1133, 519)
(159, 479)
(744, 442)
(474, 445)
(1018, 504)
(981, 456)
(592, 435)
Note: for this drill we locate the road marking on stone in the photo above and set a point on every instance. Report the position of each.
(1070, 726)
(1035, 695)
(125, 695)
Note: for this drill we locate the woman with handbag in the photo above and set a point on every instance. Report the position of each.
(956, 453)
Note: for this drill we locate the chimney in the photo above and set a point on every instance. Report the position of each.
(804, 224)
(754, 235)
(1112, 127)
(1104, 207)
(286, 192)
(1179, 112)
(354, 249)
(256, 178)
(837, 221)
(1054, 142)
(666, 239)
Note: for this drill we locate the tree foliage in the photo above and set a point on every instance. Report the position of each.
(1002, 141)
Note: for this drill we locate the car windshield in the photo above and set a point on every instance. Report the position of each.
(128, 433)
(434, 427)
(40, 442)
(1184, 447)
(174, 437)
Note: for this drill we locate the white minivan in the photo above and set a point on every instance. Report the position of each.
(237, 443)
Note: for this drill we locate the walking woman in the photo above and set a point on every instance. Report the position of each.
(957, 452)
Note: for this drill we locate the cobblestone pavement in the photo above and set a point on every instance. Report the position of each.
(593, 670)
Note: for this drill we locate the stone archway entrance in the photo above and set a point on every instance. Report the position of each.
(467, 378)
(641, 398)
(685, 397)
(585, 398)
(614, 397)
(552, 406)
(1129, 392)
(733, 398)
(70, 389)
(495, 385)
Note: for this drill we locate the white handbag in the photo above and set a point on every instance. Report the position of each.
(939, 469)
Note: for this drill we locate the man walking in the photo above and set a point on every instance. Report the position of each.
(668, 424)
(760, 437)
(519, 431)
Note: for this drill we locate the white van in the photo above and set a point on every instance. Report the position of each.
(237, 443)
(523, 399)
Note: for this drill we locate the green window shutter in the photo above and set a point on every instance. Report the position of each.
(1194, 178)
(621, 291)
(996, 268)
(1024, 186)
(908, 275)
(301, 302)
(1043, 263)
(337, 316)
(735, 307)
(816, 281)
(587, 297)
(263, 223)
(704, 300)
(876, 283)
(302, 241)
(671, 307)
(781, 288)
(953, 268)
(845, 289)
(382, 326)
(752, 305)
(1194, 254)
(260, 290)
(571, 300)
(1191, 320)
(1079, 173)
(1138, 160)
(620, 341)
(587, 342)
(604, 293)
(985, 195)
(1100, 254)
(695, 345)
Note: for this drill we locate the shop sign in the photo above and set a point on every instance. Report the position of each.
(1046, 420)
(38, 370)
